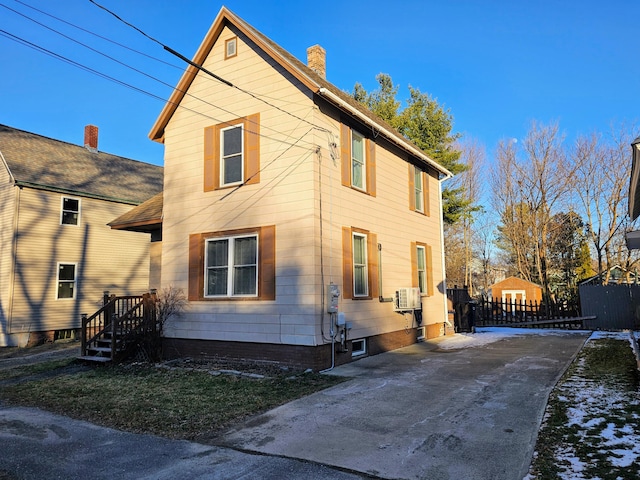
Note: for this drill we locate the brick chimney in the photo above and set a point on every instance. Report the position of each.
(317, 60)
(91, 137)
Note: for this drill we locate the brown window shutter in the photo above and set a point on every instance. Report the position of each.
(412, 187)
(210, 161)
(196, 267)
(345, 154)
(252, 149)
(372, 264)
(429, 261)
(347, 263)
(414, 265)
(371, 167)
(267, 254)
(425, 191)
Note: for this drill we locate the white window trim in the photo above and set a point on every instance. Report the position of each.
(423, 288)
(62, 210)
(360, 351)
(365, 265)
(230, 265)
(364, 161)
(419, 190)
(75, 280)
(222, 157)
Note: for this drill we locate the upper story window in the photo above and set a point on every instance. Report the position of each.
(358, 163)
(70, 213)
(233, 265)
(232, 153)
(230, 47)
(66, 280)
(231, 161)
(359, 264)
(419, 190)
(358, 158)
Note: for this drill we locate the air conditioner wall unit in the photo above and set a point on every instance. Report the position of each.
(408, 298)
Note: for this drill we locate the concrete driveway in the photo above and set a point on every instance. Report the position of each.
(422, 412)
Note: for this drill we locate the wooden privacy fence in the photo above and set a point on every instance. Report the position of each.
(514, 313)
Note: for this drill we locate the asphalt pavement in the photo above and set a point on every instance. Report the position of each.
(415, 413)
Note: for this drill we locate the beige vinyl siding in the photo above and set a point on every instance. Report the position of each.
(7, 215)
(283, 197)
(113, 260)
(288, 196)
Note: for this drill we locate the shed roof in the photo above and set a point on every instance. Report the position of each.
(142, 218)
(40, 162)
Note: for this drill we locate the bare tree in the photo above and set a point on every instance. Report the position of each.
(458, 236)
(529, 186)
(601, 186)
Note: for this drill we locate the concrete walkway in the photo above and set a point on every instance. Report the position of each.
(415, 413)
(421, 413)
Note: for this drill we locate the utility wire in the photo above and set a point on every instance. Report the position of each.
(106, 39)
(125, 84)
(130, 67)
(202, 69)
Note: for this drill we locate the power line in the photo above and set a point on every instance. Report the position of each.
(125, 84)
(202, 69)
(144, 73)
(106, 39)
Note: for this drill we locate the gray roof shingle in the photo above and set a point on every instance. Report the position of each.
(41, 162)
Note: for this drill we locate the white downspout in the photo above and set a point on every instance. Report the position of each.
(444, 271)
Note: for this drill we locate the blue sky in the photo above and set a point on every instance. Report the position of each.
(496, 65)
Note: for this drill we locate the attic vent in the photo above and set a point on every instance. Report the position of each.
(230, 47)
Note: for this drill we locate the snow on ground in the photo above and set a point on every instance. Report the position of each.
(487, 335)
(605, 418)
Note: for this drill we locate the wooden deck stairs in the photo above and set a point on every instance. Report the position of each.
(112, 333)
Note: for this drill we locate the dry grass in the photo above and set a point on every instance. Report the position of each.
(192, 403)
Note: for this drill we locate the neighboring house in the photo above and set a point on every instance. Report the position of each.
(57, 253)
(291, 214)
(615, 275)
(633, 238)
(516, 290)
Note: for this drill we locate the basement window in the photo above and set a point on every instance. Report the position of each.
(358, 347)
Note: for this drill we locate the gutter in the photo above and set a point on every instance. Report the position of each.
(78, 193)
(394, 138)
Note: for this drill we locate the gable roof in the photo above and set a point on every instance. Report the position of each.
(145, 217)
(40, 162)
(310, 79)
(514, 280)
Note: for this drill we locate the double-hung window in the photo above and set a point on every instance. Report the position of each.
(360, 275)
(232, 266)
(70, 211)
(232, 155)
(418, 190)
(421, 265)
(358, 160)
(422, 268)
(66, 280)
(359, 264)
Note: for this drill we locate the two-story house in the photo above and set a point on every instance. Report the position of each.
(291, 214)
(57, 253)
